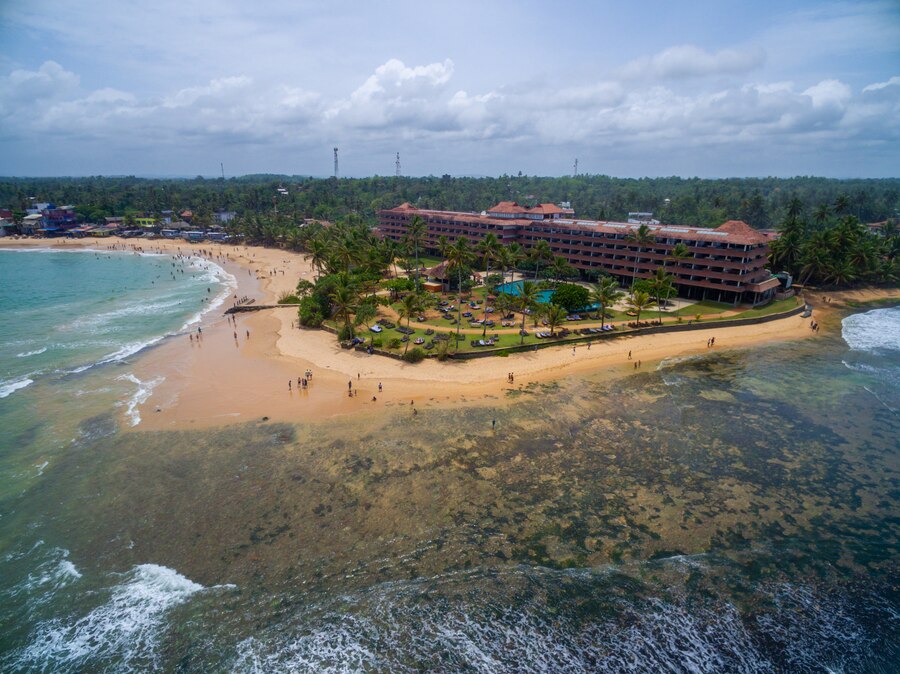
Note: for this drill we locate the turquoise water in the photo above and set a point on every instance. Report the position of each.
(72, 322)
(730, 512)
(515, 287)
(544, 296)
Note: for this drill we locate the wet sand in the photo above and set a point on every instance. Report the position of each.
(221, 379)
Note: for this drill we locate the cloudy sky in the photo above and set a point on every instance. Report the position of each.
(702, 88)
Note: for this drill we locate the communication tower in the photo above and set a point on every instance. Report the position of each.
(575, 169)
(397, 164)
(335, 163)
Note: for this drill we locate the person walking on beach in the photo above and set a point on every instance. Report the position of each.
(248, 334)
(350, 385)
(289, 384)
(379, 387)
(629, 355)
(493, 424)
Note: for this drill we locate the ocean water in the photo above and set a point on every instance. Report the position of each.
(732, 512)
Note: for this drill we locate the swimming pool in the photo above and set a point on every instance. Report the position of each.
(543, 297)
(515, 287)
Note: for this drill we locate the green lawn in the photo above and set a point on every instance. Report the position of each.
(773, 308)
(502, 341)
(703, 308)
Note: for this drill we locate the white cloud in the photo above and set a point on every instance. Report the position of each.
(829, 93)
(689, 61)
(418, 106)
(878, 86)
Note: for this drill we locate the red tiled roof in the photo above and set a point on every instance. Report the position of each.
(546, 209)
(507, 207)
(740, 232)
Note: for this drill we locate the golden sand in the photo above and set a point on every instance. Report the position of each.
(221, 379)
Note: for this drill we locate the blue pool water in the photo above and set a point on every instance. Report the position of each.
(514, 288)
(544, 296)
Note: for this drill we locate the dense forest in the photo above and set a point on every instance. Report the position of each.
(761, 202)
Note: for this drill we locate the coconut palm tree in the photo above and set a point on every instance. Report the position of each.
(561, 269)
(390, 249)
(527, 299)
(540, 252)
(663, 285)
(821, 214)
(415, 234)
(516, 255)
(489, 250)
(679, 252)
(842, 204)
(555, 316)
(605, 293)
(459, 257)
(410, 306)
(641, 237)
(639, 301)
(319, 252)
(343, 303)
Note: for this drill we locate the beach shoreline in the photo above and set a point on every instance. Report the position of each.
(238, 372)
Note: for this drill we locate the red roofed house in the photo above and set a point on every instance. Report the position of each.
(727, 264)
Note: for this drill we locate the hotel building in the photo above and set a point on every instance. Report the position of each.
(726, 264)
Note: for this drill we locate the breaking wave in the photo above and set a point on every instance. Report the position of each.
(123, 633)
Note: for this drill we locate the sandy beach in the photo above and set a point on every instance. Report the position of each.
(239, 372)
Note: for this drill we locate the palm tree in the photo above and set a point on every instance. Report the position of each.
(540, 252)
(516, 255)
(794, 208)
(840, 272)
(489, 249)
(639, 301)
(640, 237)
(459, 256)
(679, 252)
(561, 269)
(410, 306)
(662, 284)
(504, 303)
(605, 293)
(526, 299)
(555, 316)
(415, 233)
(821, 214)
(343, 303)
(842, 204)
(319, 252)
(390, 249)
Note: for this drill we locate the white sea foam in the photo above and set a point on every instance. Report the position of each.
(219, 276)
(26, 354)
(143, 393)
(94, 321)
(873, 330)
(125, 629)
(10, 386)
(53, 573)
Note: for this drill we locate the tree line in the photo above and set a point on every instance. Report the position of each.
(761, 202)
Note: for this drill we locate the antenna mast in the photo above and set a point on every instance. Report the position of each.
(335, 163)
(398, 164)
(575, 171)
(222, 164)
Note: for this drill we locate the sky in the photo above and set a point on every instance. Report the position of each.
(708, 88)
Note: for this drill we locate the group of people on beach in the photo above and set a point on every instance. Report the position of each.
(711, 342)
(302, 382)
(511, 377)
(814, 326)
